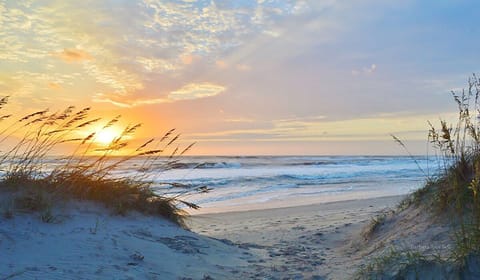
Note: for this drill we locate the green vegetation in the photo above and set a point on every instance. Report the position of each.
(374, 225)
(34, 182)
(455, 192)
(393, 264)
(451, 197)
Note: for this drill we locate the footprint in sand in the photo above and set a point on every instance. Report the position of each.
(298, 228)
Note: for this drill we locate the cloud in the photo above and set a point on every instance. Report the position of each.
(188, 59)
(365, 70)
(118, 79)
(74, 55)
(100, 98)
(156, 65)
(187, 92)
(319, 129)
(221, 64)
(243, 67)
(54, 86)
(371, 69)
(195, 91)
(119, 50)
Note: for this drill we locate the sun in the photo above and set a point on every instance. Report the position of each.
(106, 136)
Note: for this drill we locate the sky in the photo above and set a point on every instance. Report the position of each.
(247, 77)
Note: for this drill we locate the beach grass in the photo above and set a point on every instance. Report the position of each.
(455, 192)
(374, 225)
(451, 197)
(393, 262)
(35, 184)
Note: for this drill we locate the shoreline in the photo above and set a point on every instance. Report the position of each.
(294, 202)
(279, 206)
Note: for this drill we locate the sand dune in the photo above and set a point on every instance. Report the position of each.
(86, 242)
(320, 241)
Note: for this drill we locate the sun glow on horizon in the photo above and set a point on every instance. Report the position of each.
(241, 77)
(106, 136)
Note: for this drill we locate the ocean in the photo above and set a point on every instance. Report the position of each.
(258, 182)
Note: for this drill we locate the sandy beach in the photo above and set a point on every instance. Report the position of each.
(303, 242)
(270, 140)
(86, 242)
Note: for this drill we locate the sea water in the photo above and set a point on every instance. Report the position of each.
(242, 183)
(259, 182)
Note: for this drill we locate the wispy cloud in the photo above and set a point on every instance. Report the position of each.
(284, 66)
(375, 128)
(365, 70)
(195, 91)
(188, 92)
(101, 98)
(120, 57)
(54, 86)
(73, 55)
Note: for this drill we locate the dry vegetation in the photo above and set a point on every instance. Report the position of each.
(451, 198)
(34, 180)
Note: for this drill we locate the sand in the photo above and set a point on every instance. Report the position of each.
(303, 242)
(86, 242)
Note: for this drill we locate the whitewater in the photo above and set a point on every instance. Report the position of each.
(246, 183)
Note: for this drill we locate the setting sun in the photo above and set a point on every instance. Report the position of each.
(106, 136)
(228, 139)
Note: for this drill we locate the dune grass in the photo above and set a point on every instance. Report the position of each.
(451, 196)
(36, 180)
(455, 192)
(395, 264)
(375, 223)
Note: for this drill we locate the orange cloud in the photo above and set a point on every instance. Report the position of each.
(188, 92)
(54, 86)
(73, 55)
(195, 91)
(188, 59)
(221, 64)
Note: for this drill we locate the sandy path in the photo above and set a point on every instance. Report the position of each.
(304, 242)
